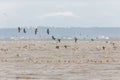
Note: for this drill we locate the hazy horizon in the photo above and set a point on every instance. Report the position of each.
(15, 27)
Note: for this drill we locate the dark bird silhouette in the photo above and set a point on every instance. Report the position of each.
(48, 31)
(106, 41)
(113, 44)
(36, 30)
(75, 39)
(92, 39)
(65, 46)
(19, 29)
(103, 47)
(24, 30)
(57, 47)
(59, 40)
(53, 38)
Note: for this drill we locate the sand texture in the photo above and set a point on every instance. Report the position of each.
(50, 60)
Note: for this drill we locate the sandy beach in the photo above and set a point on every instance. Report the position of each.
(50, 60)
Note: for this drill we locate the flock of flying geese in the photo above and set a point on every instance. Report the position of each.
(48, 32)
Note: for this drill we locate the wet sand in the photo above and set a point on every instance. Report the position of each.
(50, 60)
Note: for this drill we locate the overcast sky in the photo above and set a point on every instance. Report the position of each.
(60, 13)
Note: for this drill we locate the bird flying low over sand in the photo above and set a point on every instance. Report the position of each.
(36, 30)
(19, 29)
(24, 30)
(48, 31)
(53, 38)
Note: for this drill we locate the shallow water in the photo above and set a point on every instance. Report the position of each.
(64, 33)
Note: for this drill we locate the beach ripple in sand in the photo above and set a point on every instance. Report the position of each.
(40, 60)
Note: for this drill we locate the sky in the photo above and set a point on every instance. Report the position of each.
(59, 13)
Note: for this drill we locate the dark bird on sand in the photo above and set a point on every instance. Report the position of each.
(92, 39)
(106, 41)
(65, 46)
(48, 31)
(57, 47)
(75, 39)
(59, 40)
(103, 47)
(53, 38)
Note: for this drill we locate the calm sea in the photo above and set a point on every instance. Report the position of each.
(63, 33)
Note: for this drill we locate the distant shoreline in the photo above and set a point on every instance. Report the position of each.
(56, 40)
(111, 34)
